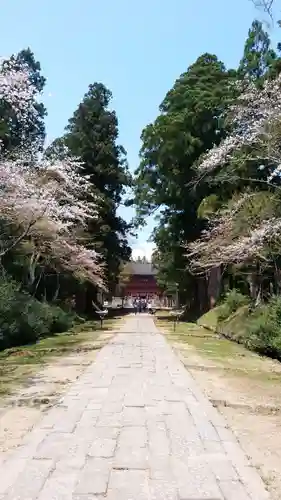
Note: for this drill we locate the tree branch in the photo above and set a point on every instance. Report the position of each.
(266, 5)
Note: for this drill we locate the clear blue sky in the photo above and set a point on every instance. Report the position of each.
(135, 47)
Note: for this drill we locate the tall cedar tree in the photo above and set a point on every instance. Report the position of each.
(259, 58)
(31, 135)
(92, 135)
(188, 125)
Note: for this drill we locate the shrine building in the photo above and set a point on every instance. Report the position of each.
(142, 282)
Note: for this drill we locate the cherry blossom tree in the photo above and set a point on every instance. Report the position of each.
(214, 248)
(19, 110)
(255, 124)
(232, 240)
(252, 118)
(16, 90)
(42, 202)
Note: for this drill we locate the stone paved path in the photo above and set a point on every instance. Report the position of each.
(134, 427)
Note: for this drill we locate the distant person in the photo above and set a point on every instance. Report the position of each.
(149, 306)
(135, 306)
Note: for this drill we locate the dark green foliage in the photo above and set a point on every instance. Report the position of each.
(258, 57)
(61, 320)
(233, 300)
(264, 329)
(24, 319)
(92, 135)
(187, 126)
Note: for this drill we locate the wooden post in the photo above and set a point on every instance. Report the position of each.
(177, 296)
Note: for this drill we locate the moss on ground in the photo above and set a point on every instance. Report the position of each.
(210, 318)
(236, 325)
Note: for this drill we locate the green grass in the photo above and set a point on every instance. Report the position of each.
(205, 341)
(183, 328)
(224, 353)
(215, 348)
(19, 363)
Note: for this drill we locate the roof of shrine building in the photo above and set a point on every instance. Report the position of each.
(142, 268)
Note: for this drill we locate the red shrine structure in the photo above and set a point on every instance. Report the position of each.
(142, 282)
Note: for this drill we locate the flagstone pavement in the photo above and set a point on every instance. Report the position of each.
(134, 426)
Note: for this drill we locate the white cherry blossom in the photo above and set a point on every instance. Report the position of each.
(250, 117)
(43, 200)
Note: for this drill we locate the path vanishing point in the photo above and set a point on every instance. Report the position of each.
(134, 426)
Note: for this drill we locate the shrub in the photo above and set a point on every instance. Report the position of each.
(233, 300)
(61, 320)
(24, 319)
(264, 329)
